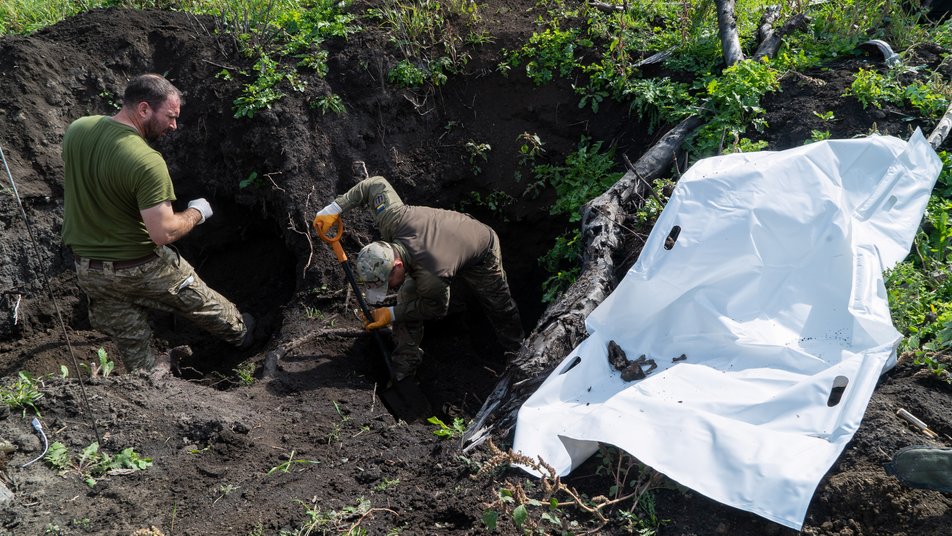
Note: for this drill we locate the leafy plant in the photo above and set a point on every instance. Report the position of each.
(495, 203)
(246, 373)
(653, 204)
(345, 521)
(562, 262)
(330, 103)
(385, 484)
(102, 368)
(657, 100)
(931, 362)
(406, 74)
(586, 173)
(313, 313)
(873, 89)
(747, 145)
(253, 179)
(477, 152)
(224, 490)
(23, 393)
(548, 54)
(282, 36)
(430, 45)
(530, 148)
(590, 96)
(92, 463)
(933, 240)
(263, 92)
(734, 100)
(340, 412)
(445, 431)
(930, 99)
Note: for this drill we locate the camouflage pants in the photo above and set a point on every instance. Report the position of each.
(487, 280)
(119, 300)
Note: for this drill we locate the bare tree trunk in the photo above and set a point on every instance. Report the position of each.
(727, 27)
(562, 326)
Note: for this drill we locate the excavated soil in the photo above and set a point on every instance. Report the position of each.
(309, 433)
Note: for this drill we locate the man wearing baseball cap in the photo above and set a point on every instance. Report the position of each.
(422, 251)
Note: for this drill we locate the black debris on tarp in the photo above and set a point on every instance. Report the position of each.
(630, 370)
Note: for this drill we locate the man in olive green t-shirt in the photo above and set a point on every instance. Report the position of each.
(118, 220)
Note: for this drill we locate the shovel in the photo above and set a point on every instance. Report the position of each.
(404, 399)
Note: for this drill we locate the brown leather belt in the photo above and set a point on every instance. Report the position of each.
(96, 264)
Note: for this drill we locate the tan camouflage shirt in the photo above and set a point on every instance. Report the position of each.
(434, 244)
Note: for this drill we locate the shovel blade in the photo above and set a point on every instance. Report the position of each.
(406, 401)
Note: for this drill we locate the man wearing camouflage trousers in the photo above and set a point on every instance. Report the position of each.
(118, 220)
(422, 251)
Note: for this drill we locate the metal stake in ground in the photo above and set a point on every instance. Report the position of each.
(403, 398)
(49, 288)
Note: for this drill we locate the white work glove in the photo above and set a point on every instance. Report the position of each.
(327, 218)
(202, 207)
(330, 210)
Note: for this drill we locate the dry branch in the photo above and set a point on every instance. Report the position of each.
(562, 326)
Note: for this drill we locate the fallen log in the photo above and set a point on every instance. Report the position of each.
(941, 130)
(562, 326)
(770, 39)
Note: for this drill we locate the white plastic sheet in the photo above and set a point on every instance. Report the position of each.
(773, 291)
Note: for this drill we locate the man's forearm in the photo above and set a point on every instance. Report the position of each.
(187, 220)
(166, 226)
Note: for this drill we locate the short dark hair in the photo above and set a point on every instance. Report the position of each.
(151, 88)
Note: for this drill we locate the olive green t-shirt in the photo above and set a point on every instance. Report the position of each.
(111, 174)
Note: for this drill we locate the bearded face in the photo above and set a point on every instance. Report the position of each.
(162, 119)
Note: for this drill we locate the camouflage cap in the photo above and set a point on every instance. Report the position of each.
(374, 264)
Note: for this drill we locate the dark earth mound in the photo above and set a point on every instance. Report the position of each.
(233, 457)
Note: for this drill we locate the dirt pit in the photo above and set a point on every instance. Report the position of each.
(309, 442)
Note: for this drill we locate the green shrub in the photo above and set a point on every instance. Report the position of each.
(873, 89)
(587, 173)
(548, 54)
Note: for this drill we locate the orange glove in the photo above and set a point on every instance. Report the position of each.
(383, 316)
(323, 222)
